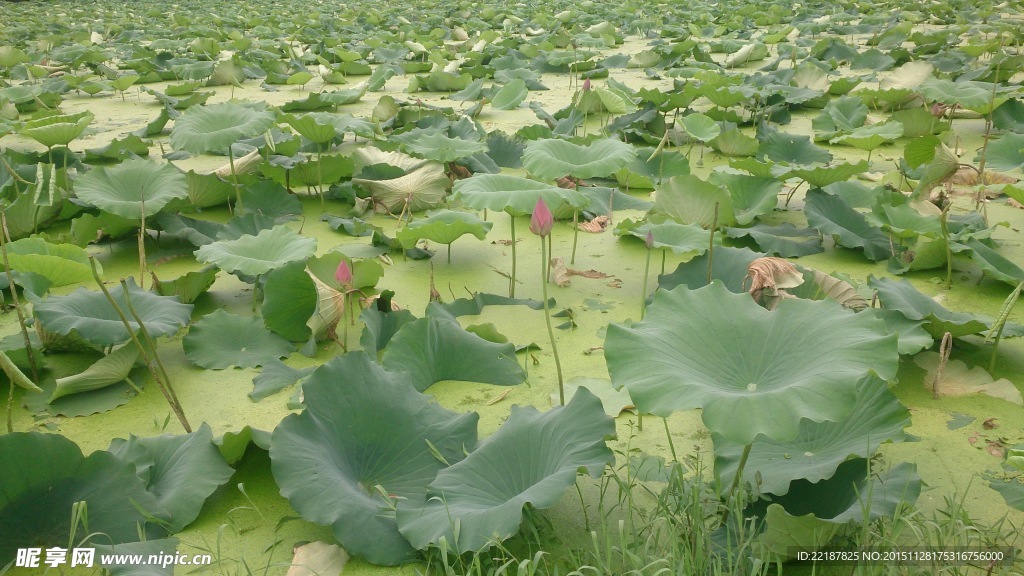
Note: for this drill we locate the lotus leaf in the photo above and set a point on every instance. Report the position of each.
(785, 240)
(432, 350)
(188, 286)
(46, 474)
(259, 254)
(901, 296)
(433, 144)
(181, 472)
(830, 215)
(57, 130)
(752, 196)
(717, 350)
(981, 97)
(515, 195)
(338, 465)
(992, 262)
(870, 137)
(380, 325)
(276, 376)
(701, 127)
(419, 188)
(215, 127)
(820, 447)
(1007, 153)
(289, 300)
(90, 315)
(132, 188)
(533, 458)
(365, 272)
(60, 264)
(647, 171)
(443, 227)
(222, 340)
(110, 369)
(728, 266)
(119, 559)
(690, 200)
(550, 159)
(794, 149)
(686, 239)
(475, 305)
(511, 95)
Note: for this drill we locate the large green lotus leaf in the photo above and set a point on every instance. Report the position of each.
(686, 239)
(110, 369)
(751, 370)
(434, 144)
(46, 474)
(804, 518)
(1006, 154)
(819, 176)
(752, 196)
(513, 194)
(431, 350)
(222, 340)
(380, 325)
(322, 127)
(289, 300)
(820, 447)
(729, 266)
(510, 95)
(701, 127)
(843, 115)
(57, 130)
(1009, 117)
(905, 220)
(784, 240)
(90, 315)
(181, 472)
(549, 159)
(690, 200)
(830, 215)
(900, 295)
(443, 227)
(732, 142)
(215, 127)
(366, 272)
(533, 459)
(366, 437)
(132, 188)
(646, 172)
(61, 264)
(870, 137)
(206, 190)
(259, 254)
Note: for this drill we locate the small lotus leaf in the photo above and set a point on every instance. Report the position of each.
(110, 369)
(688, 199)
(511, 95)
(215, 127)
(532, 459)
(222, 340)
(726, 357)
(513, 194)
(61, 264)
(830, 215)
(57, 130)
(443, 227)
(337, 464)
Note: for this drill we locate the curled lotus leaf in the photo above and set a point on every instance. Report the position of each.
(551, 158)
(132, 188)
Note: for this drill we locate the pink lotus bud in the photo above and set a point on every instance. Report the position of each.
(586, 84)
(649, 240)
(938, 110)
(542, 221)
(343, 274)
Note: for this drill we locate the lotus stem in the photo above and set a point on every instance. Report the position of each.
(4, 238)
(995, 333)
(512, 282)
(944, 222)
(171, 400)
(988, 134)
(575, 233)
(547, 319)
(344, 333)
(449, 252)
(234, 178)
(643, 288)
(711, 242)
(255, 287)
(736, 480)
(10, 405)
(142, 243)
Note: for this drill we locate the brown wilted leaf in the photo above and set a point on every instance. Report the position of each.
(968, 176)
(772, 274)
(615, 283)
(568, 182)
(589, 273)
(458, 171)
(996, 448)
(1014, 203)
(989, 424)
(559, 273)
(598, 224)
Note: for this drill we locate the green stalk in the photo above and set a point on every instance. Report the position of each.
(575, 231)
(171, 400)
(142, 244)
(736, 480)
(643, 289)
(949, 252)
(234, 178)
(711, 242)
(4, 235)
(512, 283)
(547, 319)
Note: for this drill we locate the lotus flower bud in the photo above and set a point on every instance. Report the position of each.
(649, 240)
(343, 274)
(542, 221)
(938, 110)
(586, 84)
